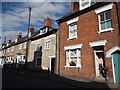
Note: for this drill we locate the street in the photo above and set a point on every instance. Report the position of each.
(19, 80)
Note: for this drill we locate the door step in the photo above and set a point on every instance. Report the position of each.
(100, 79)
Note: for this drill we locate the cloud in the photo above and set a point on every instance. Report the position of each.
(11, 35)
(15, 17)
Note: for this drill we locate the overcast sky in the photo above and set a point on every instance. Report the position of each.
(15, 16)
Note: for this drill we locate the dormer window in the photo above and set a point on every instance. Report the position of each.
(44, 30)
(86, 3)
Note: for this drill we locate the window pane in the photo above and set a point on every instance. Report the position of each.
(103, 26)
(67, 54)
(109, 24)
(102, 17)
(107, 15)
(73, 53)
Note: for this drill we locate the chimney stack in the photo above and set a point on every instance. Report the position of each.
(31, 30)
(48, 22)
(19, 35)
(74, 6)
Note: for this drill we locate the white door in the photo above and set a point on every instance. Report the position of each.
(97, 63)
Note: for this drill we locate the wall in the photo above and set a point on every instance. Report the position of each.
(45, 52)
(88, 32)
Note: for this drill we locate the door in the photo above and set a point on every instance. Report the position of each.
(38, 62)
(52, 65)
(97, 54)
(116, 64)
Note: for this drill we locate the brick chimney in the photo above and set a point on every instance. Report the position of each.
(31, 30)
(48, 22)
(19, 35)
(74, 5)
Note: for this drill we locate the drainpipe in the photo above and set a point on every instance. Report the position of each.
(118, 14)
(59, 51)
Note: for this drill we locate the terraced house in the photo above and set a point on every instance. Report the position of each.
(42, 48)
(89, 40)
(13, 54)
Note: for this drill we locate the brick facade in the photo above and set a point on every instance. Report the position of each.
(87, 31)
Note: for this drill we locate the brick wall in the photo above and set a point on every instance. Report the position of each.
(87, 32)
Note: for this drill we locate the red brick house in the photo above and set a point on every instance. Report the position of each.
(88, 41)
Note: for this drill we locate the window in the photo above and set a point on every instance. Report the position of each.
(86, 3)
(73, 57)
(44, 30)
(12, 48)
(37, 48)
(8, 49)
(105, 20)
(73, 30)
(25, 44)
(47, 44)
(20, 47)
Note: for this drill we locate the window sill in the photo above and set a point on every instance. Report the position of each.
(105, 30)
(80, 67)
(72, 38)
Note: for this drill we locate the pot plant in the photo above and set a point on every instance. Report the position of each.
(72, 63)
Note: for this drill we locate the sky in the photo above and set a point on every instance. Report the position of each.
(14, 16)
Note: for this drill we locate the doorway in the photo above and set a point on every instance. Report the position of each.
(116, 67)
(38, 62)
(98, 54)
(52, 64)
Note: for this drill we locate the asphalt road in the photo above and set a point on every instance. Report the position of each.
(19, 80)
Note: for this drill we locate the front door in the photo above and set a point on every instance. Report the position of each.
(52, 65)
(116, 64)
(38, 62)
(97, 54)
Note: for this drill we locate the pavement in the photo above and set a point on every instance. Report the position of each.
(73, 81)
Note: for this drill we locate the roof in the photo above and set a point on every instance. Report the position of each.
(38, 35)
(77, 13)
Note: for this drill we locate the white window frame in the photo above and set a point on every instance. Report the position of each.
(81, 7)
(100, 10)
(72, 21)
(74, 47)
(47, 46)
